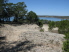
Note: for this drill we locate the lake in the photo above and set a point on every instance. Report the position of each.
(45, 18)
(50, 18)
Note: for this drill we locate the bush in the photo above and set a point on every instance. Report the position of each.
(66, 43)
(51, 25)
(67, 36)
(20, 21)
(40, 23)
(41, 30)
(66, 46)
(63, 26)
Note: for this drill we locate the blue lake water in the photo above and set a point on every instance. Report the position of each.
(11, 19)
(50, 18)
(45, 18)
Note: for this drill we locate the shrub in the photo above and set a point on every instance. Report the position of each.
(67, 36)
(66, 46)
(51, 25)
(41, 30)
(63, 26)
(20, 21)
(40, 23)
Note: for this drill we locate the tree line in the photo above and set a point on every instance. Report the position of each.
(18, 11)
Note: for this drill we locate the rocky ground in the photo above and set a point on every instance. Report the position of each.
(28, 38)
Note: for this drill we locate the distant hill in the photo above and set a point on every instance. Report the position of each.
(62, 17)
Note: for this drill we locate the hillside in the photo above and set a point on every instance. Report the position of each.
(28, 38)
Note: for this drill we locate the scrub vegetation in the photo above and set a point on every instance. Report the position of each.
(21, 15)
(63, 28)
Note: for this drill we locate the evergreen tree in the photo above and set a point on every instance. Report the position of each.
(32, 17)
(2, 9)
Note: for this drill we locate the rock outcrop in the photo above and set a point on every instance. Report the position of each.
(28, 38)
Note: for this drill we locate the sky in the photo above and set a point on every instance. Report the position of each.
(46, 7)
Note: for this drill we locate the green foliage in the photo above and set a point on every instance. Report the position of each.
(17, 10)
(63, 26)
(3, 12)
(41, 30)
(32, 17)
(45, 21)
(2, 4)
(40, 23)
(66, 46)
(67, 36)
(20, 21)
(51, 25)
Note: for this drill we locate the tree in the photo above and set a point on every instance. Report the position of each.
(32, 17)
(9, 11)
(2, 5)
(19, 10)
(2, 9)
